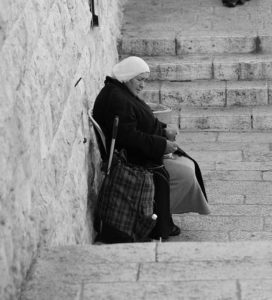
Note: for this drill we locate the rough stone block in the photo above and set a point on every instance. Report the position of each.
(180, 68)
(193, 94)
(262, 118)
(200, 236)
(205, 270)
(262, 156)
(225, 146)
(148, 46)
(226, 68)
(243, 67)
(247, 93)
(265, 43)
(215, 119)
(233, 175)
(102, 254)
(260, 236)
(247, 137)
(256, 289)
(215, 44)
(214, 198)
(220, 223)
(269, 83)
(267, 175)
(217, 156)
(207, 251)
(240, 187)
(211, 290)
(241, 210)
(252, 69)
(244, 166)
(258, 199)
(268, 224)
(196, 137)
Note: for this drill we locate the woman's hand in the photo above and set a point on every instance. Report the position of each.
(170, 147)
(171, 134)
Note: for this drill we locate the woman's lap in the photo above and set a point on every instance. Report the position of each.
(185, 192)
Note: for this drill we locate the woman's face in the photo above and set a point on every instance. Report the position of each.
(137, 83)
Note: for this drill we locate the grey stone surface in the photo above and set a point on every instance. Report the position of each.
(249, 137)
(215, 119)
(214, 198)
(193, 93)
(217, 156)
(207, 270)
(206, 251)
(219, 146)
(197, 137)
(262, 118)
(201, 236)
(220, 222)
(241, 210)
(233, 175)
(255, 289)
(240, 235)
(245, 166)
(247, 93)
(145, 46)
(181, 271)
(180, 68)
(184, 290)
(215, 43)
(44, 190)
(240, 187)
(258, 199)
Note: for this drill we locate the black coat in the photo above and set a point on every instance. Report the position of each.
(139, 132)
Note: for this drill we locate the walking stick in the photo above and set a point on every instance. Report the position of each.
(114, 134)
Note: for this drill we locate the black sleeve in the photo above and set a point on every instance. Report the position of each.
(129, 136)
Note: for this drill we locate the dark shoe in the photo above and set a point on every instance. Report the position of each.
(230, 3)
(174, 231)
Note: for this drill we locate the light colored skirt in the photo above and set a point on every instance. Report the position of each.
(185, 192)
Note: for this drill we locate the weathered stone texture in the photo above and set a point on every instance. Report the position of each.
(45, 47)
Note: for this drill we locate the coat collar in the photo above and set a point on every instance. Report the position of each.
(110, 80)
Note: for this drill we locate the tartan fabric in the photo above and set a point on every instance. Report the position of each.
(126, 198)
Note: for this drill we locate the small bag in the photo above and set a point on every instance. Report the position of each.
(126, 199)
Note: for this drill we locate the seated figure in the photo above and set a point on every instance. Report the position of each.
(149, 142)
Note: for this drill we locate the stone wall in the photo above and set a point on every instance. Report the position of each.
(45, 47)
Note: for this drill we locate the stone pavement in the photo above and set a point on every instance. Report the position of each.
(232, 271)
(213, 66)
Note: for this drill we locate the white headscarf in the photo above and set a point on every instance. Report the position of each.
(129, 68)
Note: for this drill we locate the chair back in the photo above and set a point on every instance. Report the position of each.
(100, 137)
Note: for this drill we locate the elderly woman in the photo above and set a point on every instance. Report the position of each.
(149, 142)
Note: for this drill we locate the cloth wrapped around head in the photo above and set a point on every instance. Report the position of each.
(129, 68)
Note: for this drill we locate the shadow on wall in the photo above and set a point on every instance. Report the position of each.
(94, 181)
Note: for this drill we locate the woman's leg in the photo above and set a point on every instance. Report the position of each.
(185, 193)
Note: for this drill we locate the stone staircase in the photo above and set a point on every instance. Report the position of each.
(213, 66)
(219, 84)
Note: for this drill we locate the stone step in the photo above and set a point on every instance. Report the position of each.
(153, 271)
(227, 118)
(207, 67)
(208, 93)
(159, 43)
